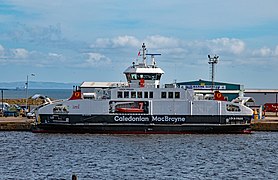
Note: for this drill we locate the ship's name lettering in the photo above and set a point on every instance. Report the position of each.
(131, 118)
(234, 118)
(168, 119)
(146, 119)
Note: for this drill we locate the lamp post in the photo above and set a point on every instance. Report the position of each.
(27, 83)
(212, 61)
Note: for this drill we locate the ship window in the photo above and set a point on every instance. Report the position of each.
(170, 94)
(126, 94)
(151, 94)
(128, 77)
(163, 94)
(133, 76)
(145, 76)
(158, 76)
(139, 94)
(177, 95)
(231, 107)
(146, 94)
(133, 94)
(120, 94)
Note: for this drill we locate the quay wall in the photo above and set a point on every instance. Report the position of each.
(15, 124)
(266, 124)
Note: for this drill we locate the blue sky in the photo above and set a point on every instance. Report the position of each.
(89, 40)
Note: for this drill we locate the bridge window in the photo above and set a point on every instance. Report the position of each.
(233, 108)
(133, 76)
(158, 76)
(146, 76)
(128, 77)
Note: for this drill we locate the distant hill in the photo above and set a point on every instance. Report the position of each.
(37, 85)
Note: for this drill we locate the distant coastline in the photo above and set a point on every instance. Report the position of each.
(36, 85)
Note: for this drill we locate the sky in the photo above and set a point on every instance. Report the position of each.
(96, 40)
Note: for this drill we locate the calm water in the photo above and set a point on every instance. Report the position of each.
(24, 155)
(51, 93)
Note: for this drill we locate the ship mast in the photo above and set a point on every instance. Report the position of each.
(144, 55)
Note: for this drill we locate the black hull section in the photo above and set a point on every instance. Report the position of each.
(137, 129)
(125, 124)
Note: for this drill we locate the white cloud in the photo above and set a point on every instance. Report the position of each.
(55, 55)
(172, 49)
(122, 41)
(95, 59)
(157, 41)
(266, 52)
(276, 51)
(226, 45)
(163, 43)
(2, 50)
(20, 53)
(101, 43)
(174, 45)
(263, 52)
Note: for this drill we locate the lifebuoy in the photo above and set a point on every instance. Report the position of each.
(77, 94)
(218, 95)
(142, 82)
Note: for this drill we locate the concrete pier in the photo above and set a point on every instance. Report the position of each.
(266, 124)
(15, 124)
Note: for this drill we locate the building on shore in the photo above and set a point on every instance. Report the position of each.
(263, 96)
(231, 91)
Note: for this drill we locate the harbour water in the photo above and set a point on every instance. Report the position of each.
(24, 155)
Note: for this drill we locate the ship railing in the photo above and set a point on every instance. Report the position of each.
(131, 114)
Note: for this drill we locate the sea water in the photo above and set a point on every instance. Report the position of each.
(24, 155)
(51, 93)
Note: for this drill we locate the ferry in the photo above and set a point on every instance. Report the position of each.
(142, 106)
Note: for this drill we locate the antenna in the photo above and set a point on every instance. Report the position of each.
(212, 61)
(152, 56)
